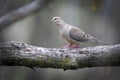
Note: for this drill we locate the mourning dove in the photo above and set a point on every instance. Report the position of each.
(72, 34)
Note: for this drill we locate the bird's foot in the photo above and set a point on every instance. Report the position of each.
(72, 46)
(67, 46)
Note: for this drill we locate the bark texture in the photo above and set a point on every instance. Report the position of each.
(21, 54)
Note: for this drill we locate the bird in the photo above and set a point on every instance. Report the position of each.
(72, 34)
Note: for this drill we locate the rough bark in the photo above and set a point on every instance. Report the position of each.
(21, 54)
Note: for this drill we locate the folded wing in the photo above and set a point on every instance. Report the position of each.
(80, 36)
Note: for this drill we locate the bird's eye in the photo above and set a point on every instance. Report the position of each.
(55, 19)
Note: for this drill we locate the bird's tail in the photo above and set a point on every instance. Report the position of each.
(97, 41)
(102, 42)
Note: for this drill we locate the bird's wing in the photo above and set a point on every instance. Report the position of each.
(80, 36)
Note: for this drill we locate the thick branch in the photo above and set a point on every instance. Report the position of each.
(21, 54)
(22, 12)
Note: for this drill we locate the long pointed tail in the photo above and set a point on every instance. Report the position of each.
(97, 41)
(102, 42)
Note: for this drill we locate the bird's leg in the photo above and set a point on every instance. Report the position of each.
(71, 46)
(74, 46)
(67, 46)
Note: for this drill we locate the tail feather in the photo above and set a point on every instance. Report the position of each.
(102, 42)
(97, 41)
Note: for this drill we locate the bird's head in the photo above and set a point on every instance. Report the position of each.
(57, 20)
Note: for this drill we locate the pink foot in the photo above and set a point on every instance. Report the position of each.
(67, 46)
(72, 46)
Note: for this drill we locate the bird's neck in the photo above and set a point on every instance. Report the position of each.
(61, 24)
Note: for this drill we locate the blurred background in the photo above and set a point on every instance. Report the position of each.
(99, 18)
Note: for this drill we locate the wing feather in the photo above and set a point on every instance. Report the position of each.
(80, 36)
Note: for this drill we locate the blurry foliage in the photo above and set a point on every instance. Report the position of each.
(96, 5)
(92, 5)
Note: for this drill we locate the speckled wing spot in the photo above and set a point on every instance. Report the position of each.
(77, 35)
(83, 35)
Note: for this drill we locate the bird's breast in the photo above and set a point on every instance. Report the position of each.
(64, 32)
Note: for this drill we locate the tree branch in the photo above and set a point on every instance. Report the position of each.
(21, 54)
(22, 12)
